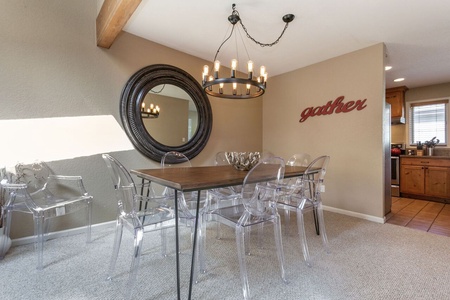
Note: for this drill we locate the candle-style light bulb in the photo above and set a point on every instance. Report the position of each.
(151, 105)
(234, 88)
(216, 69)
(143, 106)
(250, 66)
(233, 64)
(205, 72)
(216, 66)
(262, 71)
(157, 108)
(233, 67)
(220, 88)
(265, 78)
(210, 79)
(248, 89)
(250, 69)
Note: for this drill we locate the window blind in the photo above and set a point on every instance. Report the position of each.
(428, 120)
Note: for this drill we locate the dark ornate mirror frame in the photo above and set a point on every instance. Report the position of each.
(134, 92)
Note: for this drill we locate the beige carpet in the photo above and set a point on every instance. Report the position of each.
(367, 261)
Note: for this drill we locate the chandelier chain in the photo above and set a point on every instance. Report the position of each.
(263, 44)
(157, 92)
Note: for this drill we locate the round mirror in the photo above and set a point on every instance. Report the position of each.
(163, 109)
(169, 115)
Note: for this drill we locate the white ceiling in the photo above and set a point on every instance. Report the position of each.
(416, 32)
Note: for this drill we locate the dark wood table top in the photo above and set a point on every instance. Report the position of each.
(203, 178)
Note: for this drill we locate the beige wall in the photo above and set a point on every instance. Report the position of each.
(51, 67)
(354, 140)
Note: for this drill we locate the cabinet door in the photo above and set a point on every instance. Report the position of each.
(437, 181)
(412, 179)
(396, 101)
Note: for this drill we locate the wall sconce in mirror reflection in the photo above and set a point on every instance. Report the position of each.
(151, 113)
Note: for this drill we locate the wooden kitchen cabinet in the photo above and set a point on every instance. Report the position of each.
(413, 179)
(396, 97)
(436, 182)
(425, 177)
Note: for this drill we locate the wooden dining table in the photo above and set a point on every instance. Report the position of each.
(190, 179)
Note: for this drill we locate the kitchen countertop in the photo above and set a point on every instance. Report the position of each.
(426, 156)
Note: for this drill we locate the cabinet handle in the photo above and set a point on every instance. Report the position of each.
(424, 162)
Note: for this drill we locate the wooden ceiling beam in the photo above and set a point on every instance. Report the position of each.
(112, 17)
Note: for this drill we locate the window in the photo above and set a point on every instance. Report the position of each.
(428, 120)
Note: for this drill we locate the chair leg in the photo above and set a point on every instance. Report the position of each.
(279, 244)
(39, 223)
(241, 249)
(89, 221)
(321, 223)
(116, 247)
(202, 245)
(198, 259)
(218, 231)
(138, 238)
(4, 236)
(287, 221)
(302, 235)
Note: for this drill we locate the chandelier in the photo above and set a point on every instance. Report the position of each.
(152, 112)
(234, 87)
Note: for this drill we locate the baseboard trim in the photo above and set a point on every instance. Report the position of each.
(62, 233)
(355, 214)
(100, 226)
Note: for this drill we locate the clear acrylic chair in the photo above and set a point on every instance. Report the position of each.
(187, 205)
(187, 201)
(306, 197)
(137, 213)
(221, 197)
(45, 196)
(258, 206)
(290, 186)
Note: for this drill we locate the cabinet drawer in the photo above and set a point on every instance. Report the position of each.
(425, 161)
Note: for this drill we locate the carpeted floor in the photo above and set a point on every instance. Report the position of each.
(367, 261)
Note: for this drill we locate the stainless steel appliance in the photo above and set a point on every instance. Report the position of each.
(395, 169)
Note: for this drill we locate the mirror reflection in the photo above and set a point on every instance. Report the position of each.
(177, 121)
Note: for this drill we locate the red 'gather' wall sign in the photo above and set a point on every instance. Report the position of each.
(336, 106)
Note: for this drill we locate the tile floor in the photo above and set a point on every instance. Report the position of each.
(423, 215)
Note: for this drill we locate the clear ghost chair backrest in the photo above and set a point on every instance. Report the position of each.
(123, 184)
(175, 159)
(221, 159)
(299, 159)
(313, 179)
(34, 175)
(259, 195)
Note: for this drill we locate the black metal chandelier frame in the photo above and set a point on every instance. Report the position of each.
(259, 85)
